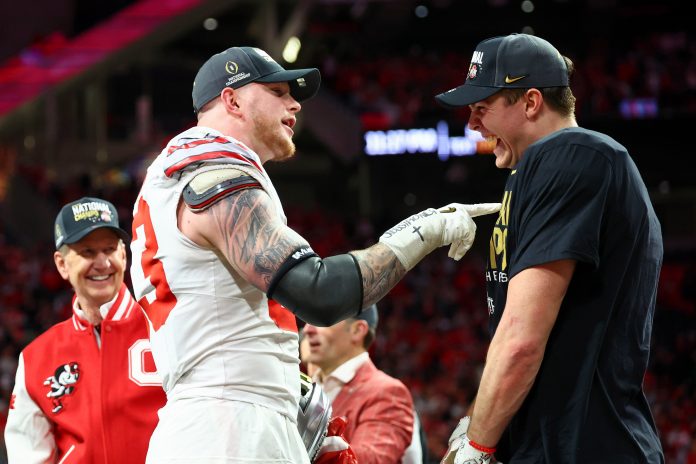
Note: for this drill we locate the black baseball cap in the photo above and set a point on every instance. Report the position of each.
(369, 315)
(77, 219)
(515, 61)
(238, 66)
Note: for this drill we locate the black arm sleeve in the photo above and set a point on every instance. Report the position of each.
(320, 291)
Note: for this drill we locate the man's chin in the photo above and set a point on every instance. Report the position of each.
(105, 293)
(502, 158)
(286, 154)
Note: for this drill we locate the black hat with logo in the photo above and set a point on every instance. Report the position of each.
(238, 66)
(515, 61)
(77, 219)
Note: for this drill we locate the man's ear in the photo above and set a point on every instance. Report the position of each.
(533, 100)
(230, 97)
(61, 265)
(359, 328)
(124, 255)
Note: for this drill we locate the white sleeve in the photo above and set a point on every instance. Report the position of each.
(414, 453)
(28, 432)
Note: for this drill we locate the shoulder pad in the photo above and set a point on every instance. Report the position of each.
(210, 186)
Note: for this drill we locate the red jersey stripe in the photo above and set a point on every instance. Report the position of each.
(207, 156)
(196, 143)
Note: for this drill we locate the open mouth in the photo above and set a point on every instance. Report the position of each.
(494, 141)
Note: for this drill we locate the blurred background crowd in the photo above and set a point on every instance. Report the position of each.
(90, 91)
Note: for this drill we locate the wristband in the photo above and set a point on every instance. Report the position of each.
(481, 448)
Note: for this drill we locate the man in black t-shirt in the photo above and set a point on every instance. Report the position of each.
(571, 277)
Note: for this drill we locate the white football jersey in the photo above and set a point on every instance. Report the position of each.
(212, 333)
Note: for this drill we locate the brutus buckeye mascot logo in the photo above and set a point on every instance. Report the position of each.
(62, 383)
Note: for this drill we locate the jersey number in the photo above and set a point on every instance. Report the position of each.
(158, 299)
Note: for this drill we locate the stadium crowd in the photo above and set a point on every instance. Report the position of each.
(649, 76)
(642, 76)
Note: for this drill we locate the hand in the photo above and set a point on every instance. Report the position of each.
(455, 439)
(461, 246)
(335, 448)
(418, 235)
(461, 450)
(465, 453)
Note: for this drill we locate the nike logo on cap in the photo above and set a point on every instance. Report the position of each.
(510, 80)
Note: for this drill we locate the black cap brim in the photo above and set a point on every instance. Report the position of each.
(123, 235)
(311, 76)
(464, 95)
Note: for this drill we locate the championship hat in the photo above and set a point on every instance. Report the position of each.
(238, 66)
(515, 61)
(77, 219)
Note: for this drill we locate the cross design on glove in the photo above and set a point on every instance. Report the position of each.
(416, 230)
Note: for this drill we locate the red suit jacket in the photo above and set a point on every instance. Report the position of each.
(76, 403)
(379, 409)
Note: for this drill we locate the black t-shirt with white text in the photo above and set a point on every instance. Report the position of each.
(576, 194)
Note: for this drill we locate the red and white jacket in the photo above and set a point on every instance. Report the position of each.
(86, 396)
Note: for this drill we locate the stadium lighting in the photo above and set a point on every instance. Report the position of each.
(292, 49)
(210, 24)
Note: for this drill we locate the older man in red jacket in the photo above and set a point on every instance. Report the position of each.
(86, 390)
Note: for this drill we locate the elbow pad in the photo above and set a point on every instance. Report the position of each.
(319, 291)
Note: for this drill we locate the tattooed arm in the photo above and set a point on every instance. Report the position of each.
(245, 230)
(380, 270)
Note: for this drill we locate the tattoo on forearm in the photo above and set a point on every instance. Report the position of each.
(380, 269)
(254, 239)
(256, 242)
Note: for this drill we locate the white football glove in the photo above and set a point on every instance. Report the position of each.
(418, 235)
(460, 449)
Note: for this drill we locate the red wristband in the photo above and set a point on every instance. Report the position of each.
(481, 448)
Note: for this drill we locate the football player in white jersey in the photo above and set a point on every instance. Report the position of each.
(221, 276)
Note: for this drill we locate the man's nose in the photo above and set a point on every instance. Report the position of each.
(295, 106)
(103, 260)
(474, 123)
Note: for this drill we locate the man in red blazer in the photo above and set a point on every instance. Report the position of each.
(379, 408)
(86, 390)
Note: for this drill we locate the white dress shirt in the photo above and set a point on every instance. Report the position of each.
(343, 374)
